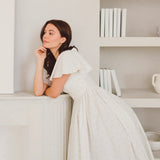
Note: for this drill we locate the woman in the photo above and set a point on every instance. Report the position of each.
(103, 126)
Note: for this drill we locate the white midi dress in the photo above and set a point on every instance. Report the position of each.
(103, 126)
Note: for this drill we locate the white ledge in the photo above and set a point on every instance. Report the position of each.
(141, 98)
(129, 42)
(30, 95)
(137, 98)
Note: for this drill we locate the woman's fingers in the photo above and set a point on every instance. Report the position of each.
(43, 49)
(41, 53)
(40, 50)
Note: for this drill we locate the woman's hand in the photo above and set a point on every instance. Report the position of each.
(40, 53)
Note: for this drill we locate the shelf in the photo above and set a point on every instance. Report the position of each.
(141, 98)
(21, 95)
(137, 98)
(129, 42)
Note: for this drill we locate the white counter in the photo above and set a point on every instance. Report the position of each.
(34, 128)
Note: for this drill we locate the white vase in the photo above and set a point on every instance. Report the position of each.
(156, 82)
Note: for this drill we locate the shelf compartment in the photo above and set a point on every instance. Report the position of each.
(129, 42)
(141, 98)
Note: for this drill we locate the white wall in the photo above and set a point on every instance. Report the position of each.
(30, 17)
(7, 9)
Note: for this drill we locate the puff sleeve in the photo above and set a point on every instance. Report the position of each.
(69, 62)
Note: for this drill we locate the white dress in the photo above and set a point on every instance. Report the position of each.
(103, 126)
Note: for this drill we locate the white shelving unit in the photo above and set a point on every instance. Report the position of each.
(138, 98)
(141, 37)
(135, 58)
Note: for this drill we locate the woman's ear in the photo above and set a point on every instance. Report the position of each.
(63, 39)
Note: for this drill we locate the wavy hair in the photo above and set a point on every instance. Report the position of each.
(65, 31)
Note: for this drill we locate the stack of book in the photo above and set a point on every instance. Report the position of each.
(108, 81)
(113, 22)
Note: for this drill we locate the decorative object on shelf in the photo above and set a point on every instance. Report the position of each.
(154, 140)
(158, 31)
(113, 22)
(106, 78)
(156, 82)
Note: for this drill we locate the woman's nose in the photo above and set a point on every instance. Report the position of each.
(45, 35)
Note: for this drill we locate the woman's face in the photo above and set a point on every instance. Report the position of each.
(52, 38)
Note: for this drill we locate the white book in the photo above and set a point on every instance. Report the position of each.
(123, 24)
(102, 22)
(118, 22)
(101, 78)
(111, 22)
(109, 81)
(105, 79)
(115, 81)
(107, 22)
(115, 10)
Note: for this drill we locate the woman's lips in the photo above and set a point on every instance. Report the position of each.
(45, 41)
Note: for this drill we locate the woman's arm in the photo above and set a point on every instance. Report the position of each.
(39, 86)
(57, 86)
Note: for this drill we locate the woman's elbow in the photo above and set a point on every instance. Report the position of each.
(38, 93)
(53, 95)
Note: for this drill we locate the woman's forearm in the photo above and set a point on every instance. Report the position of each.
(38, 79)
(48, 92)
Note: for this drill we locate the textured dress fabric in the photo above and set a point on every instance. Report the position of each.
(103, 126)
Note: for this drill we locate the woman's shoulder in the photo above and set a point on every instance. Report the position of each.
(68, 53)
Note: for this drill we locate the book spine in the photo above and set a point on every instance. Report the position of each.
(115, 81)
(105, 80)
(123, 26)
(110, 22)
(101, 77)
(107, 22)
(102, 22)
(118, 21)
(109, 81)
(114, 22)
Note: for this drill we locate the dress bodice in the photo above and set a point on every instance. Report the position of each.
(77, 85)
(72, 62)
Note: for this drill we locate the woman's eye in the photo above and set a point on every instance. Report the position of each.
(50, 33)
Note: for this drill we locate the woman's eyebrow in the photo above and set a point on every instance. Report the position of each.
(49, 30)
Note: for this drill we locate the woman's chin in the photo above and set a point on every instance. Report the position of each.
(46, 46)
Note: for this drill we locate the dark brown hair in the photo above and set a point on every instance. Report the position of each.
(65, 31)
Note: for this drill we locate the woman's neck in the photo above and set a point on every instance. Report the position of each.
(55, 52)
